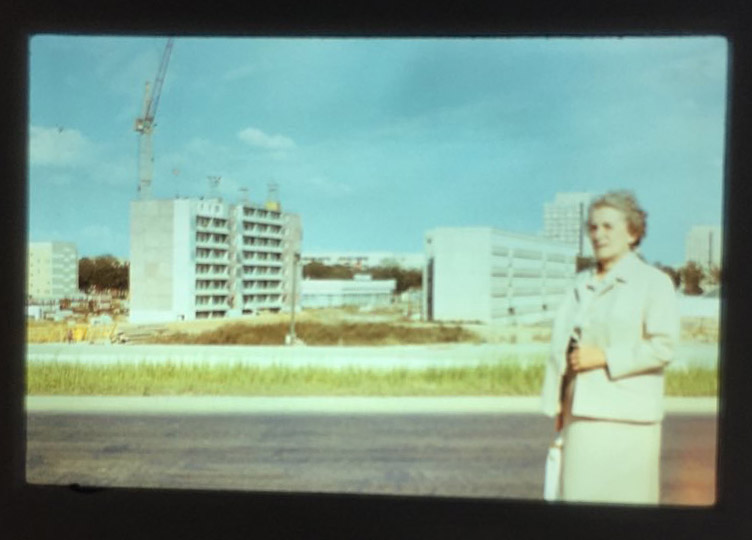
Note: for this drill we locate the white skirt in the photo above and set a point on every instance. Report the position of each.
(609, 461)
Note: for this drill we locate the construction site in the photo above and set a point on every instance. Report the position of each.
(198, 264)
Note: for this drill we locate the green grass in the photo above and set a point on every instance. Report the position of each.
(316, 333)
(692, 382)
(173, 379)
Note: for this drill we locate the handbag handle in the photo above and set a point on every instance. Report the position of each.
(558, 442)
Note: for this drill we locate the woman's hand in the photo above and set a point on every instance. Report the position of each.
(585, 357)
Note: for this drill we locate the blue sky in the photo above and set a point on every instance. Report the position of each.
(375, 141)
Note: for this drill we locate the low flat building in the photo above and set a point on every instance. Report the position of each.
(366, 259)
(483, 274)
(361, 292)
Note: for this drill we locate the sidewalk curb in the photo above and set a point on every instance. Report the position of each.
(318, 405)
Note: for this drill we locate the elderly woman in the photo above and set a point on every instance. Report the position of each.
(613, 336)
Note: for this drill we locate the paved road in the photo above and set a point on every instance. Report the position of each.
(460, 454)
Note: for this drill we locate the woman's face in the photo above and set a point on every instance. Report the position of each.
(609, 234)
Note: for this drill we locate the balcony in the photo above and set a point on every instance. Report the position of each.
(254, 233)
(211, 275)
(211, 258)
(263, 249)
(212, 307)
(273, 300)
(204, 283)
(255, 258)
(258, 289)
(212, 244)
(212, 227)
(262, 246)
(212, 291)
(261, 272)
(263, 220)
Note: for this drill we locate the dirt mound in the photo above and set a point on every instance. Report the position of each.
(318, 333)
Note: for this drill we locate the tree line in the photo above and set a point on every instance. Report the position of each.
(103, 273)
(691, 279)
(405, 278)
(107, 273)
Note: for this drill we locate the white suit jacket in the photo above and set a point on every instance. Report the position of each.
(634, 319)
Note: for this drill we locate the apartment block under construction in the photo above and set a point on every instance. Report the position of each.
(196, 258)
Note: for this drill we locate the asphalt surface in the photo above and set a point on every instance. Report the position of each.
(466, 454)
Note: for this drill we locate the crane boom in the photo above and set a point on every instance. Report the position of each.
(145, 125)
(159, 80)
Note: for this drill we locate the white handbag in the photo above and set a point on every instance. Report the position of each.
(552, 484)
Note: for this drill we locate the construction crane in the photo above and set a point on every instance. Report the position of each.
(145, 126)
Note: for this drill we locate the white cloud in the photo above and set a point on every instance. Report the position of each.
(69, 158)
(257, 138)
(57, 146)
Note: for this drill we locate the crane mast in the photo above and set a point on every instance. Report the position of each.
(145, 124)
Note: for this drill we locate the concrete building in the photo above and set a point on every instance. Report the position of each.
(52, 270)
(704, 245)
(564, 221)
(488, 275)
(361, 291)
(366, 259)
(202, 258)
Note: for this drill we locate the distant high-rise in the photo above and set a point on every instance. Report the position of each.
(704, 245)
(52, 271)
(564, 220)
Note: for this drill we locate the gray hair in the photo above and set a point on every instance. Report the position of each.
(626, 203)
